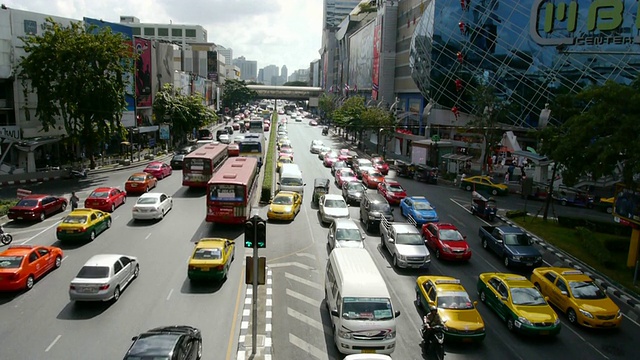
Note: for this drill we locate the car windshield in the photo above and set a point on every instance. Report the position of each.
(136, 178)
(28, 203)
(207, 254)
(153, 167)
(331, 155)
(454, 300)
(335, 203)
(374, 174)
(285, 160)
(409, 239)
(348, 235)
(291, 181)
(347, 173)
(420, 205)
(286, 150)
(395, 188)
(355, 186)
(450, 235)
(93, 272)
(74, 219)
(99, 194)
(366, 309)
(526, 296)
(380, 206)
(364, 163)
(339, 165)
(586, 290)
(516, 239)
(10, 262)
(283, 200)
(147, 200)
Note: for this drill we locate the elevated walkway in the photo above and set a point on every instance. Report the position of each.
(286, 92)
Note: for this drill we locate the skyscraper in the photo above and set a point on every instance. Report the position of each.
(226, 52)
(248, 68)
(270, 75)
(284, 73)
(334, 12)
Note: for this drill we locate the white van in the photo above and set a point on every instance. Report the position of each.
(291, 179)
(362, 316)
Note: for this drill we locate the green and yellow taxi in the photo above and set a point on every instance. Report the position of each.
(578, 296)
(211, 259)
(519, 303)
(285, 206)
(462, 319)
(83, 224)
(484, 183)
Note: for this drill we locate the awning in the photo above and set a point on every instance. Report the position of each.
(457, 157)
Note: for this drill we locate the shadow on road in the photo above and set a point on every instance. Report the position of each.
(189, 193)
(201, 287)
(82, 310)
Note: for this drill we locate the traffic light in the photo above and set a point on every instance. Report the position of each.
(261, 232)
(249, 234)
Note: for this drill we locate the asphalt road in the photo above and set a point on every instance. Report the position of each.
(44, 324)
(297, 254)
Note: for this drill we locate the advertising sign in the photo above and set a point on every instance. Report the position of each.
(361, 58)
(164, 132)
(626, 204)
(143, 72)
(377, 44)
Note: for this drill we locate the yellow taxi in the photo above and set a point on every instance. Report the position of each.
(463, 321)
(484, 183)
(285, 206)
(578, 296)
(283, 159)
(518, 303)
(83, 224)
(211, 259)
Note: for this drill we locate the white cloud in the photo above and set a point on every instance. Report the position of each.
(272, 32)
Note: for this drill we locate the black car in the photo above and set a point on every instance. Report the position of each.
(352, 191)
(179, 342)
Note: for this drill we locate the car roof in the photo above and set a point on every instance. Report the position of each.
(418, 198)
(443, 226)
(154, 195)
(392, 182)
(83, 211)
(443, 283)
(19, 250)
(35, 197)
(514, 280)
(154, 344)
(211, 242)
(345, 224)
(333, 197)
(286, 193)
(376, 197)
(139, 174)
(104, 188)
(103, 259)
(569, 274)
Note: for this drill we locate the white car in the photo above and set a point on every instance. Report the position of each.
(103, 277)
(152, 206)
(225, 139)
(316, 145)
(331, 207)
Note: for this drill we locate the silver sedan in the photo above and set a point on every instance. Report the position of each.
(103, 278)
(152, 206)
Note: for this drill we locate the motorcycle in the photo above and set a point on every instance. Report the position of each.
(77, 174)
(434, 344)
(5, 237)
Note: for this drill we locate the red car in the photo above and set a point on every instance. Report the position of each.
(158, 169)
(37, 207)
(392, 191)
(106, 199)
(345, 175)
(446, 241)
(372, 178)
(380, 165)
(288, 151)
(22, 265)
(329, 159)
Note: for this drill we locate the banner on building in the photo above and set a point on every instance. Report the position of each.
(162, 58)
(143, 72)
(164, 132)
(377, 46)
(212, 65)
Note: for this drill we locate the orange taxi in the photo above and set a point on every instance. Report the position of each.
(372, 178)
(22, 265)
(140, 182)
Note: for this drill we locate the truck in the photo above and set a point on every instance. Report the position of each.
(405, 244)
(512, 244)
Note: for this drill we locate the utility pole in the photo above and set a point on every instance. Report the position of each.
(255, 237)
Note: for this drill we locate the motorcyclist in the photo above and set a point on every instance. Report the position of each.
(430, 320)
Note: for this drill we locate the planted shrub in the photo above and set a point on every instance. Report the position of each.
(516, 213)
(269, 166)
(595, 246)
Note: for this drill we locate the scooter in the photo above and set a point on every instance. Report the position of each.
(5, 237)
(77, 174)
(434, 345)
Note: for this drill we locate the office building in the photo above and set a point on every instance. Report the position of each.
(248, 68)
(176, 33)
(270, 74)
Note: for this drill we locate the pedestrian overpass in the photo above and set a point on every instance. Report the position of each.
(288, 92)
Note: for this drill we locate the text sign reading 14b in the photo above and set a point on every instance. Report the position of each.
(585, 22)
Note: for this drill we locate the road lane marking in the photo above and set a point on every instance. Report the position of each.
(235, 312)
(308, 348)
(65, 257)
(296, 264)
(303, 281)
(170, 292)
(568, 326)
(309, 321)
(308, 300)
(53, 343)
(41, 232)
(147, 236)
(116, 217)
(310, 256)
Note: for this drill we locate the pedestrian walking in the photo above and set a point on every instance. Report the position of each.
(74, 200)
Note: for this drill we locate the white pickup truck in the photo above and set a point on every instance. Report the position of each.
(405, 244)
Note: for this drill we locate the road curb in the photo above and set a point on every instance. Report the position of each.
(571, 261)
(29, 181)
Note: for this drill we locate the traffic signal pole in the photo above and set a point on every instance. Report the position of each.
(254, 294)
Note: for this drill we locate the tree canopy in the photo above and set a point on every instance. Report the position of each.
(599, 133)
(184, 113)
(236, 93)
(78, 76)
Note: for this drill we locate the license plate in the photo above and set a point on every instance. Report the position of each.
(458, 256)
(529, 264)
(134, 185)
(19, 217)
(368, 351)
(467, 340)
(204, 269)
(607, 323)
(86, 290)
(544, 333)
(70, 231)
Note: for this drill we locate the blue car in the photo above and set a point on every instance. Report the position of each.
(418, 210)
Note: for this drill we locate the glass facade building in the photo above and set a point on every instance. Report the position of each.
(529, 51)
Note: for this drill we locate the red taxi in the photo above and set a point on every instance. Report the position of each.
(392, 191)
(105, 199)
(22, 265)
(344, 176)
(446, 241)
(37, 207)
(140, 182)
(372, 178)
(329, 159)
(158, 169)
(380, 165)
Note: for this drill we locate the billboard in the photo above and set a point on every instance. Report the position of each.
(162, 58)
(361, 58)
(627, 204)
(377, 44)
(143, 72)
(212, 65)
(129, 115)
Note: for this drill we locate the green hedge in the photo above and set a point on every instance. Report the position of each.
(269, 166)
(595, 247)
(515, 213)
(605, 227)
(6, 204)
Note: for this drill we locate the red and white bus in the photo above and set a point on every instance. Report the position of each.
(230, 190)
(199, 165)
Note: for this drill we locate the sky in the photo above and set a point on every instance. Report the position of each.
(271, 32)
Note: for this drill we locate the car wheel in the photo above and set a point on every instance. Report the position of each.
(148, 188)
(494, 192)
(136, 271)
(437, 254)
(124, 200)
(506, 261)
(468, 188)
(395, 261)
(116, 294)
(483, 297)
(92, 235)
(564, 203)
(58, 262)
(63, 207)
(609, 210)
(199, 350)
(108, 223)
(484, 244)
(42, 216)
(418, 298)
(113, 207)
(510, 324)
(161, 215)
(571, 316)
(30, 281)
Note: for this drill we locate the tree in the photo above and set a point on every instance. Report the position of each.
(327, 104)
(236, 93)
(296, 83)
(78, 76)
(380, 121)
(183, 112)
(349, 114)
